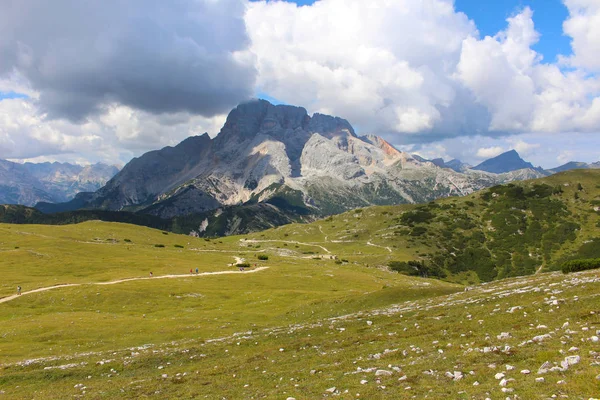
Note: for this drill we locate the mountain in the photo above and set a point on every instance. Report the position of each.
(505, 162)
(301, 166)
(30, 183)
(281, 155)
(453, 164)
(457, 165)
(575, 165)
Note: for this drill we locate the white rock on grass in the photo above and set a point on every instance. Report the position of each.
(572, 360)
(539, 380)
(499, 375)
(364, 381)
(383, 372)
(525, 372)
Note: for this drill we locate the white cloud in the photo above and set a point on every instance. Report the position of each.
(384, 66)
(524, 148)
(489, 152)
(583, 26)
(419, 70)
(114, 137)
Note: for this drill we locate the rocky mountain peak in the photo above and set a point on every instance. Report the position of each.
(252, 117)
(505, 162)
(329, 126)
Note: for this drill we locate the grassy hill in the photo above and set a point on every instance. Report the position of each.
(505, 231)
(313, 316)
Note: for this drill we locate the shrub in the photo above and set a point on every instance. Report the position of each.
(263, 257)
(417, 216)
(159, 245)
(127, 240)
(418, 231)
(580, 265)
(338, 261)
(179, 246)
(243, 265)
(165, 233)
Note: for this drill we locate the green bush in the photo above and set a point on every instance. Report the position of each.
(179, 246)
(417, 216)
(418, 231)
(580, 265)
(127, 240)
(159, 245)
(263, 257)
(243, 265)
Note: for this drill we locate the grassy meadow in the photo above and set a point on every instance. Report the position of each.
(321, 317)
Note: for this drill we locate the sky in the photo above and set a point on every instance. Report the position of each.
(108, 81)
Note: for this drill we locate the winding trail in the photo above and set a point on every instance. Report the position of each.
(15, 296)
(284, 241)
(376, 245)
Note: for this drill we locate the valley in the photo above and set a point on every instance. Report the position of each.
(319, 311)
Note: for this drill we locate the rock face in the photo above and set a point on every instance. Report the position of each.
(281, 156)
(30, 183)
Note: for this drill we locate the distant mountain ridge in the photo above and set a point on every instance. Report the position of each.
(30, 183)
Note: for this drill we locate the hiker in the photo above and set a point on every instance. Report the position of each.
(19, 290)
(191, 272)
(196, 271)
(151, 274)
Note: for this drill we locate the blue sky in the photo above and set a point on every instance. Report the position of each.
(12, 95)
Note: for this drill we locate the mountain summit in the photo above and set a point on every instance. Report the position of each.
(505, 162)
(278, 160)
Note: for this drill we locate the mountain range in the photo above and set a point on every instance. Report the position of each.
(273, 164)
(30, 183)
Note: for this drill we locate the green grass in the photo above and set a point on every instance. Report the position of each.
(325, 306)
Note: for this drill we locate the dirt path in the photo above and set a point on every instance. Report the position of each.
(13, 297)
(376, 245)
(284, 241)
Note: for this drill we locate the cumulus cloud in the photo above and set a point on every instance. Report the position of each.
(115, 136)
(489, 152)
(523, 147)
(384, 66)
(583, 26)
(418, 71)
(187, 56)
